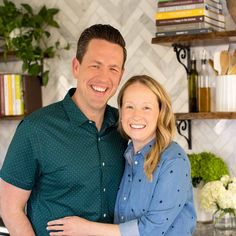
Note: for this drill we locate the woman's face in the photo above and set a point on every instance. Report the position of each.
(139, 114)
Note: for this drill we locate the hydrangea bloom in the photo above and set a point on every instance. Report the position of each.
(219, 195)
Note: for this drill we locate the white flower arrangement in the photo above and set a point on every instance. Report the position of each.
(220, 195)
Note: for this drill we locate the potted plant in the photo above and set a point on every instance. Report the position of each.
(26, 34)
(218, 197)
(205, 167)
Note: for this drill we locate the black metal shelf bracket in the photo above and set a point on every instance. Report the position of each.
(185, 126)
(183, 57)
(182, 53)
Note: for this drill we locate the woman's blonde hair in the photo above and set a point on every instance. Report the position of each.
(165, 127)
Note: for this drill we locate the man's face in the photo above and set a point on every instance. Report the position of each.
(99, 74)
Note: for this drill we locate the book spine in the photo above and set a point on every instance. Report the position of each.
(25, 94)
(198, 25)
(10, 94)
(189, 13)
(13, 94)
(184, 32)
(214, 7)
(19, 103)
(2, 100)
(185, 2)
(185, 20)
(177, 3)
(6, 95)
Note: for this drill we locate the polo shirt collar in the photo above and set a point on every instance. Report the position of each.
(78, 117)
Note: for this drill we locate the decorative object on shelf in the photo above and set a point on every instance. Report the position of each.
(224, 221)
(202, 215)
(219, 197)
(231, 5)
(225, 62)
(193, 85)
(204, 86)
(225, 93)
(26, 33)
(205, 167)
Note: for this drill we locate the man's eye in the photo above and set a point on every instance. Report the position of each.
(147, 108)
(114, 70)
(95, 66)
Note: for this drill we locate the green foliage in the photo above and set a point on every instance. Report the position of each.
(26, 34)
(206, 166)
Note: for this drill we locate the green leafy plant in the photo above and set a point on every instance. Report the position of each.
(26, 34)
(206, 167)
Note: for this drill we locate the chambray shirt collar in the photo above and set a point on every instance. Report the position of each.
(129, 153)
(76, 115)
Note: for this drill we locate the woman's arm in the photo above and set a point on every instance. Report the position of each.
(76, 226)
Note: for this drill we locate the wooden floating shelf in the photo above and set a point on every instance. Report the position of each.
(12, 117)
(205, 115)
(206, 39)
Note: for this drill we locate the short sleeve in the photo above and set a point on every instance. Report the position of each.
(20, 164)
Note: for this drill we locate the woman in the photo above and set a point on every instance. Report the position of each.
(155, 196)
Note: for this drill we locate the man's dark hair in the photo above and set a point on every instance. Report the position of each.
(99, 31)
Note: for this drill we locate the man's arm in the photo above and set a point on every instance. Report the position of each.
(12, 207)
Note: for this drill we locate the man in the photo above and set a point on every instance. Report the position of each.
(66, 159)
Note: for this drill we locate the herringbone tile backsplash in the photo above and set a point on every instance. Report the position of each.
(135, 19)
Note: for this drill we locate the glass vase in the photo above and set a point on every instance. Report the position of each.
(224, 221)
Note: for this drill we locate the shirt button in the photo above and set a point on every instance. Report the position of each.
(104, 190)
(122, 217)
(136, 162)
(99, 139)
(103, 164)
(125, 198)
(104, 215)
(90, 122)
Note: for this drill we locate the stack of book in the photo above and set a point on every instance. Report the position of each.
(178, 17)
(19, 94)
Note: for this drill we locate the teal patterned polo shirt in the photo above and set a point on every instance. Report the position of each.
(71, 168)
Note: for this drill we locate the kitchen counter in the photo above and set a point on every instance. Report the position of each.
(207, 229)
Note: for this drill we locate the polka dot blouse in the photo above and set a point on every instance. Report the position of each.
(161, 207)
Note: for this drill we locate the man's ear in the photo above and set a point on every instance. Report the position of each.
(75, 66)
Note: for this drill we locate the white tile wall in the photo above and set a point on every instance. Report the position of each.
(135, 19)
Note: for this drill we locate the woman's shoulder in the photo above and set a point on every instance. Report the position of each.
(173, 151)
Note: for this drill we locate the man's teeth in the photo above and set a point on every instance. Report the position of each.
(137, 126)
(99, 89)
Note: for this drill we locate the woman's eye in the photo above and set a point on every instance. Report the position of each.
(147, 108)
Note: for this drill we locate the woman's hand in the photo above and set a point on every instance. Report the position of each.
(69, 226)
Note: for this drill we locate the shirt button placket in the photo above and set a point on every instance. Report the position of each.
(103, 164)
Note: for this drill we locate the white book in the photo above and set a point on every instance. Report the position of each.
(6, 95)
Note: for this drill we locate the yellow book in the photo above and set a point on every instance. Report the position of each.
(10, 95)
(189, 13)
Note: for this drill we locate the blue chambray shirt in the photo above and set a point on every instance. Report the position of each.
(161, 207)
